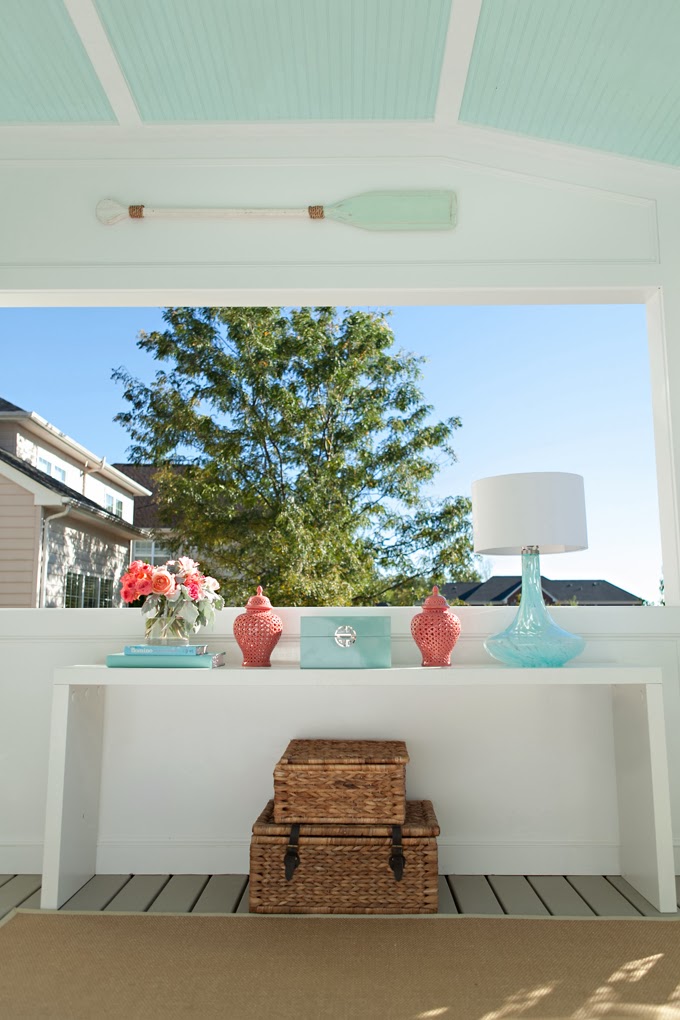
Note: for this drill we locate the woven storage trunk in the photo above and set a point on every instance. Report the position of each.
(345, 781)
(345, 869)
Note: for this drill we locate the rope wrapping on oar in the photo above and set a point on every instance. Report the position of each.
(315, 212)
(136, 212)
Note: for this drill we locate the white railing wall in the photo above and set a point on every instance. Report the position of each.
(522, 778)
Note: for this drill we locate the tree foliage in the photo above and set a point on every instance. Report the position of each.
(294, 450)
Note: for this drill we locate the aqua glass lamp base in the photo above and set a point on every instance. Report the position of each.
(533, 638)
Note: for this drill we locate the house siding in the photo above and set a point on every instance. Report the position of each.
(81, 549)
(19, 546)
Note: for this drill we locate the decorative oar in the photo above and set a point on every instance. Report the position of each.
(373, 210)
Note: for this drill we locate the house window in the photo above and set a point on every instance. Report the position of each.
(113, 505)
(151, 552)
(73, 593)
(52, 469)
(86, 591)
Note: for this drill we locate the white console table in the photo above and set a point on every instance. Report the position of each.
(79, 699)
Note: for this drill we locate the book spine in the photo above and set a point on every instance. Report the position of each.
(165, 649)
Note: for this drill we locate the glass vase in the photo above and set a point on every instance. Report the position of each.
(533, 638)
(167, 629)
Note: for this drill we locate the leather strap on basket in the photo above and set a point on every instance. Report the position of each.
(397, 859)
(291, 857)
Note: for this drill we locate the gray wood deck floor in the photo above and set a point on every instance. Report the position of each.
(533, 895)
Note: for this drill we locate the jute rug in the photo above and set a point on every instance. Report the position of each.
(134, 966)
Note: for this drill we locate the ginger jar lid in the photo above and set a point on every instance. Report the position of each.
(258, 603)
(435, 602)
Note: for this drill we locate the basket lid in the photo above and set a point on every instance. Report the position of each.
(420, 821)
(345, 752)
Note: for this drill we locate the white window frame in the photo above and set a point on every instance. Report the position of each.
(101, 587)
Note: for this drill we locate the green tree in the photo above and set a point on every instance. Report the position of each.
(294, 450)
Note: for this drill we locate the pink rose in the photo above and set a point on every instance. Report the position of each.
(144, 586)
(128, 593)
(162, 582)
(194, 590)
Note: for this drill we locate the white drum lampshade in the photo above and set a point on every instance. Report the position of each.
(546, 509)
(532, 513)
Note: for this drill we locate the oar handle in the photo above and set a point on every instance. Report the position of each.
(109, 212)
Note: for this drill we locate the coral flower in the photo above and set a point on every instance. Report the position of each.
(162, 582)
(144, 586)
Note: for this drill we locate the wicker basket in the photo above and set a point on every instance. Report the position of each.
(345, 869)
(345, 781)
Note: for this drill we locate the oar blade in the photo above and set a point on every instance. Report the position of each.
(397, 210)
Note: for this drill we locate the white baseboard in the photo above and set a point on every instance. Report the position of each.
(187, 856)
(21, 858)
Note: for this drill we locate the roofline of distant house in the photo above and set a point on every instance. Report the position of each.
(50, 494)
(99, 465)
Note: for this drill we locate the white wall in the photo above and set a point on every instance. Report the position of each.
(96, 488)
(522, 779)
(82, 548)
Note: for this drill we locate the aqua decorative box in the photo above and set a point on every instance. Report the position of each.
(345, 642)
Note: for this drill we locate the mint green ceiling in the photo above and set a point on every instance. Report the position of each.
(269, 60)
(598, 73)
(45, 74)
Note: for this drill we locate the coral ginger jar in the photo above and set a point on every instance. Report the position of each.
(257, 630)
(435, 630)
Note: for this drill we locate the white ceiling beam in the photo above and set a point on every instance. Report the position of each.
(96, 42)
(460, 39)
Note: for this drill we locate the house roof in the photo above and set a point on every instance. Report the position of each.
(498, 589)
(38, 425)
(65, 494)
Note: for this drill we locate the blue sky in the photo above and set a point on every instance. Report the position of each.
(538, 388)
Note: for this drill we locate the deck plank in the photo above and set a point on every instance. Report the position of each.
(244, 903)
(561, 899)
(516, 895)
(447, 904)
(96, 893)
(5, 878)
(33, 901)
(474, 895)
(138, 894)
(179, 895)
(221, 895)
(637, 899)
(601, 896)
(15, 892)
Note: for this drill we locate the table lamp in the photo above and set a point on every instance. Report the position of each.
(532, 513)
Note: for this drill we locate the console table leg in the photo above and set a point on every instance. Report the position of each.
(72, 813)
(645, 832)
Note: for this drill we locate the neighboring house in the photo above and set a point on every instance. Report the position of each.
(506, 591)
(152, 548)
(66, 517)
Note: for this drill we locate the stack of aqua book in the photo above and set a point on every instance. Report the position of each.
(166, 656)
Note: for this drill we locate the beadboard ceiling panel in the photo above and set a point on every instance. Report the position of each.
(45, 74)
(272, 60)
(596, 73)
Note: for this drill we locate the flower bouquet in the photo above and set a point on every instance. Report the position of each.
(178, 598)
